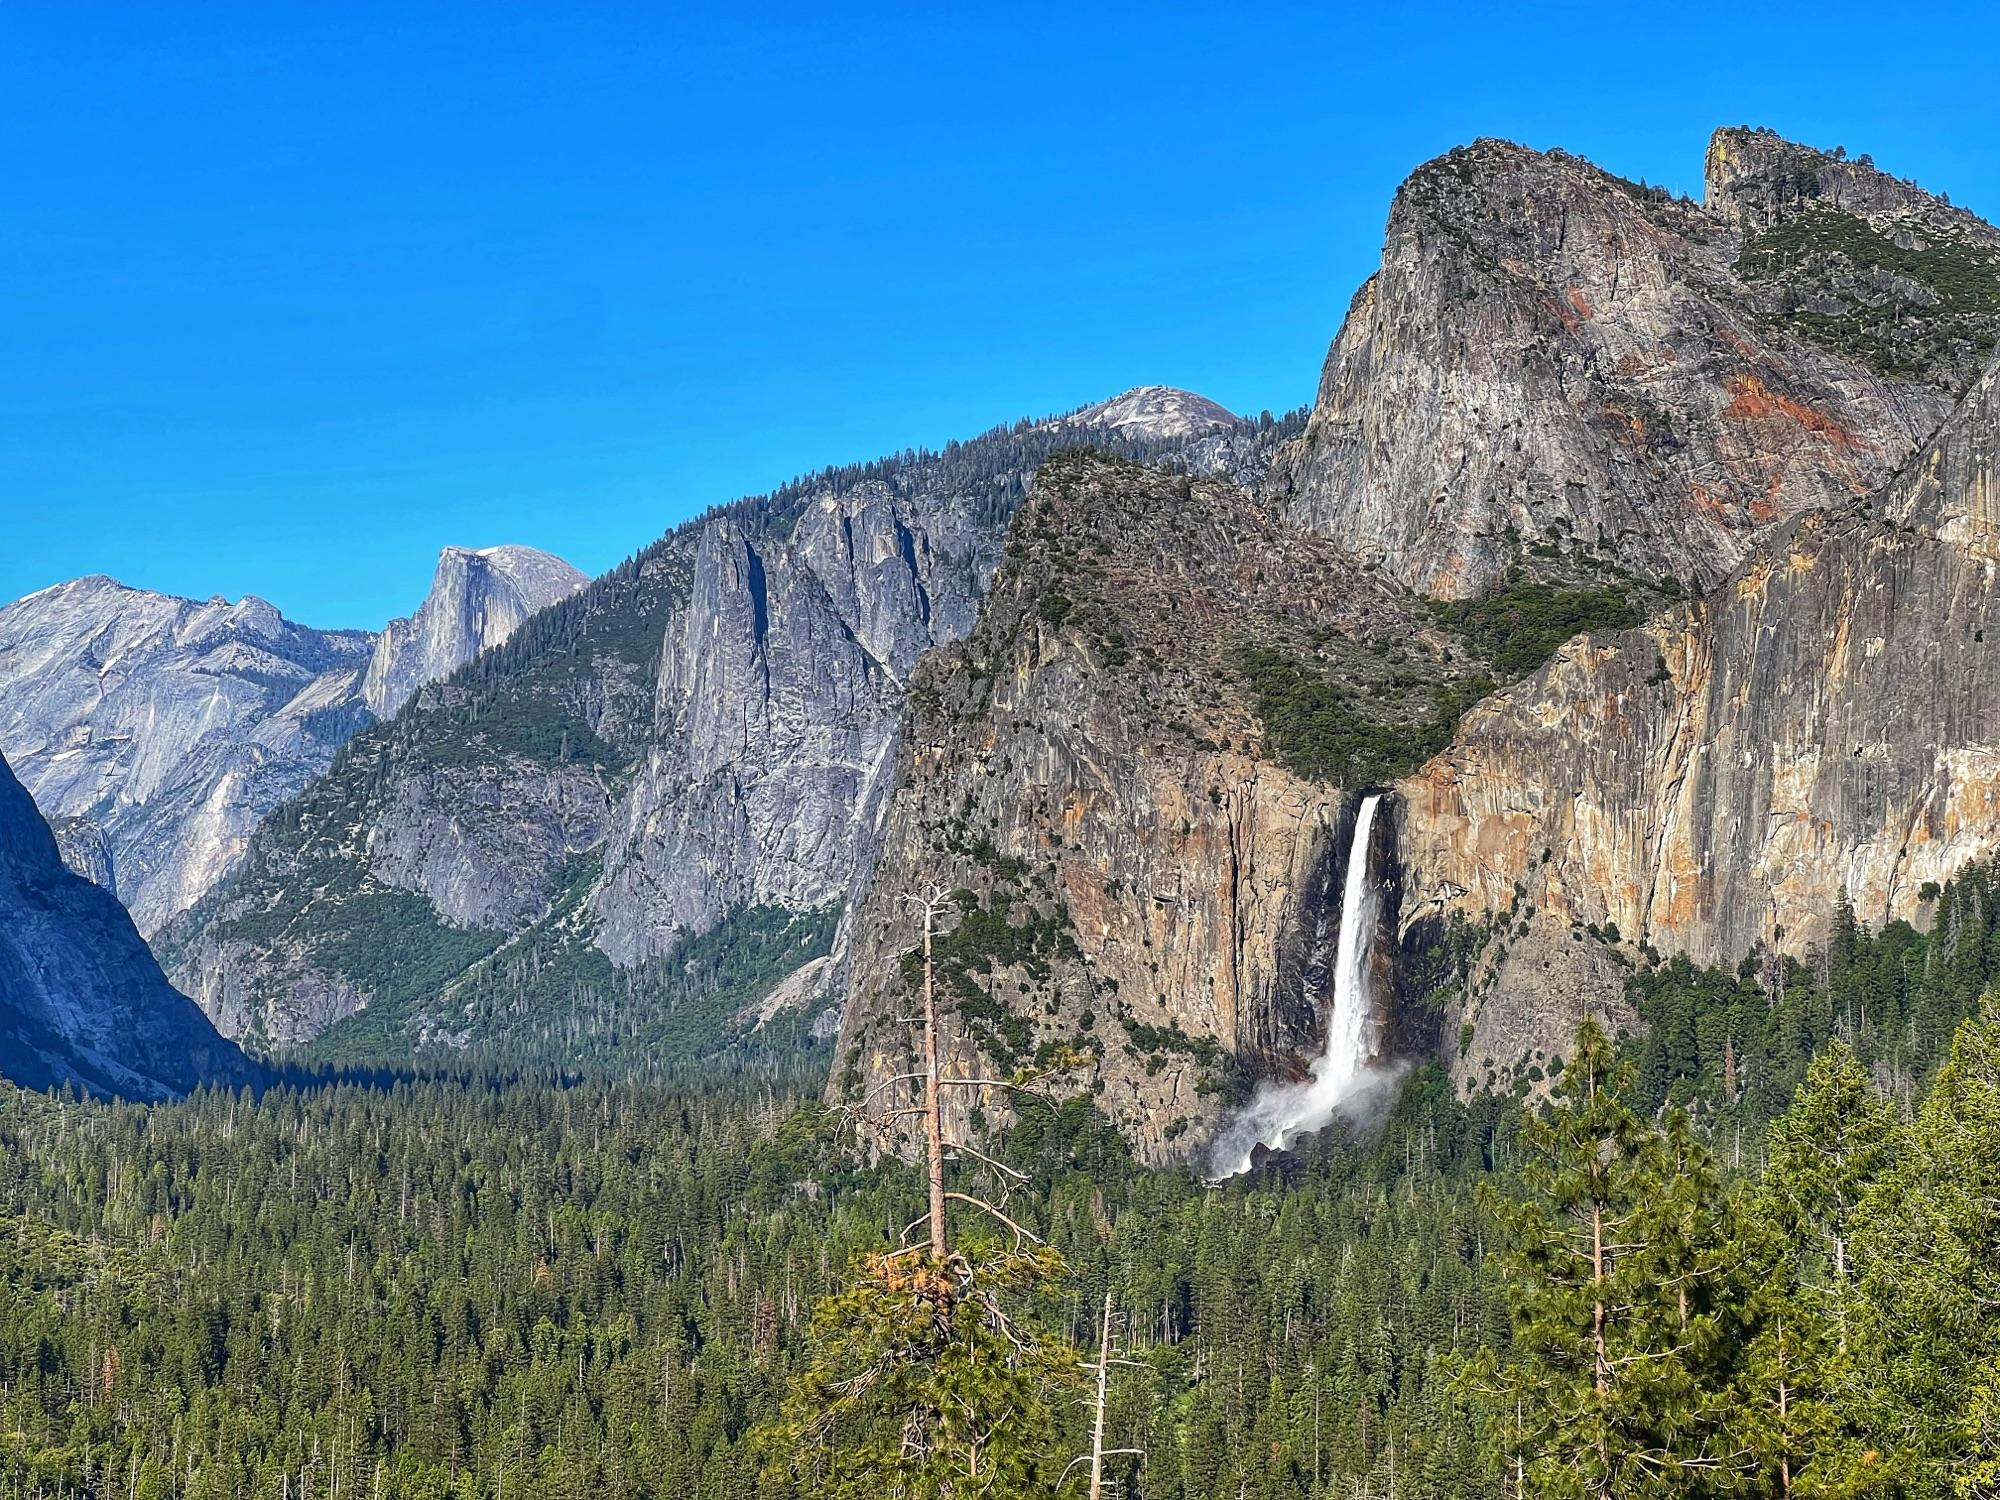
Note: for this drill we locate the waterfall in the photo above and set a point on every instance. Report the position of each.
(1282, 1112)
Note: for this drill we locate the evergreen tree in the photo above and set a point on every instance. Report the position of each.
(1826, 1151)
(922, 1385)
(1929, 1243)
(1620, 1270)
(1798, 1381)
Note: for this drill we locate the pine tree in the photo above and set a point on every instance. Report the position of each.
(1929, 1240)
(1797, 1384)
(1826, 1151)
(1619, 1267)
(920, 1389)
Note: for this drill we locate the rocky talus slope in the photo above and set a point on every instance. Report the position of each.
(82, 1001)
(1552, 355)
(171, 727)
(1824, 727)
(691, 748)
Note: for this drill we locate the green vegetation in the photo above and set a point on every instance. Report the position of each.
(1349, 729)
(1831, 1330)
(1355, 712)
(601, 1290)
(920, 1386)
(608, 1289)
(1520, 625)
(999, 933)
(1930, 313)
(549, 998)
(1737, 1045)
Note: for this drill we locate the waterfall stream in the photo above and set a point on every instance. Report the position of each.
(1282, 1112)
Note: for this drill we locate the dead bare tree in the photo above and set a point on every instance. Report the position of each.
(1100, 1370)
(881, 1123)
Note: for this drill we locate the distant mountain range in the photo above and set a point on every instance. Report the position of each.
(155, 732)
(1634, 549)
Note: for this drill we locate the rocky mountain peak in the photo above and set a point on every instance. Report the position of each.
(1159, 412)
(156, 731)
(1554, 360)
(1756, 179)
(478, 597)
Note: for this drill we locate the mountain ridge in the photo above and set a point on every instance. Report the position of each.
(172, 725)
(598, 798)
(693, 781)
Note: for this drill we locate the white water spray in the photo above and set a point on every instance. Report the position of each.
(1282, 1112)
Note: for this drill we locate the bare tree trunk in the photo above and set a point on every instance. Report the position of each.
(933, 1114)
(1603, 1360)
(1097, 1424)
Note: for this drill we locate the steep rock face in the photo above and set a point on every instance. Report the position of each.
(1823, 727)
(82, 1001)
(1137, 878)
(781, 684)
(696, 740)
(1759, 180)
(1552, 355)
(83, 847)
(170, 725)
(1865, 264)
(174, 727)
(477, 599)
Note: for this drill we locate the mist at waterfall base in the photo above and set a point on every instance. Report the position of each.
(1346, 1080)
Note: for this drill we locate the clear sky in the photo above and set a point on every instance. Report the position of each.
(291, 295)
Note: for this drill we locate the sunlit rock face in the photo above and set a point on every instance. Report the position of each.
(1141, 881)
(705, 731)
(477, 599)
(171, 727)
(1552, 356)
(1823, 727)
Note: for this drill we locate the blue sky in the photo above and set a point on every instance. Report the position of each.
(297, 293)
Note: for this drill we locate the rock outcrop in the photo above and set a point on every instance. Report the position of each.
(85, 850)
(82, 1001)
(1824, 727)
(1557, 375)
(173, 727)
(1158, 412)
(700, 738)
(477, 599)
(1138, 879)
(780, 688)
(1553, 355)
(1866, 265)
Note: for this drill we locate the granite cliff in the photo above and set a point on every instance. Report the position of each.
(1822, 728)
(1551, 355)
(82, 1002)
(1134, 877)
(1123, 723)
(1560, 387)
(691, 749)
(477, 599)
(161, 730)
